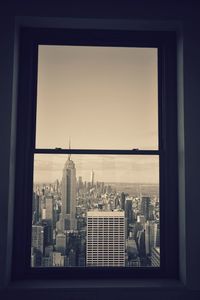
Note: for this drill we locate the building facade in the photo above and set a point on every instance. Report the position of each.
(105, 238)
(69, 195)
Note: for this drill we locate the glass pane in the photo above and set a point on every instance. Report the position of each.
(100, 97)
(95, 210)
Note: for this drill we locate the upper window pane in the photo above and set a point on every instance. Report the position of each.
(100, 97)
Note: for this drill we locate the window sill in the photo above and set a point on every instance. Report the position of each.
(72, 285)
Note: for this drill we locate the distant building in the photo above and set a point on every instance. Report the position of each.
(72, 258)
(48, 230)
(141, 243)
(117, 202)
(92, 178)
(69, 195)
(128, 213)
(57, 259)
(80, 183)
(47, 261)
(35, 208)
(81, 259)
(38, 243)
(48, 250)
(38, 238)
(122, 201)
(152, 236)
(33, 258)
(61, 243)
(105, 238)
(145, 207)
(155, 257)
(132, 251)
(49, 208)
(157, 235)
(129, 209)
(141, 219)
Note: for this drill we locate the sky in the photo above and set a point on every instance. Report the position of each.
(99, 98)
(107, 168)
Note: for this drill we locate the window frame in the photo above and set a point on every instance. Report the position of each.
(167, 149)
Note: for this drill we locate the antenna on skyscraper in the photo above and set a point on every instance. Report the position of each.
(69, 155)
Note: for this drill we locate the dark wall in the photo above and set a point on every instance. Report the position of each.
(181, 16)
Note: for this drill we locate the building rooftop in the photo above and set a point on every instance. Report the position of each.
(100, 213)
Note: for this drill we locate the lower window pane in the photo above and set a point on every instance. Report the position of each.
(95, 210)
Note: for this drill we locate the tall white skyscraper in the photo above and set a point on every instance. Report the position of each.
(92, 178)
(105, 238)
(69, 195)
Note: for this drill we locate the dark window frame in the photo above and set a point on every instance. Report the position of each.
(167, 151)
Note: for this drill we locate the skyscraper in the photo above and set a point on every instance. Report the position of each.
(151, 236)
(61, 243)
(38, 242)
(144, 207)
(35, 208)
(92, 178)
(38, 238)
(155, 257)
(105, 238)
(129, 210)
(69, 195)
(49, 208)
(122, 201)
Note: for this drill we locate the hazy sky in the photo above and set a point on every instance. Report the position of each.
(102, 98)
(107, 168)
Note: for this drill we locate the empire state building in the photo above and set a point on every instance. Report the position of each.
(69, 195)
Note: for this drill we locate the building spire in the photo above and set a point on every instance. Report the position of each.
(69, 155)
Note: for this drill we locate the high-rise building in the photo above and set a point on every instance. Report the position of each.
(33, 257)
(69, 195)
(58, 260)
(49, 208)
(38, 242)
(105, 238)
(48, 230)
(38, 238)
(117, 202)
(157, 235)
(129, 210)
(72, 258)
(141, 243)
(155, 257)
(47, 261)
(61, 243)
(92, 178)
(80, 183)
(81, 259)
(35, 208)
(145, 207)
(122, 201)
(151, 236)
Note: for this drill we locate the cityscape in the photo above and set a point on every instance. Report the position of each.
(78, 223)
(96, 210)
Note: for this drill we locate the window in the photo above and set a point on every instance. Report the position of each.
(109, 197)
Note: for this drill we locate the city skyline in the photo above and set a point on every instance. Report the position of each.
(107, 168)
(93, 210)
(91, 224)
